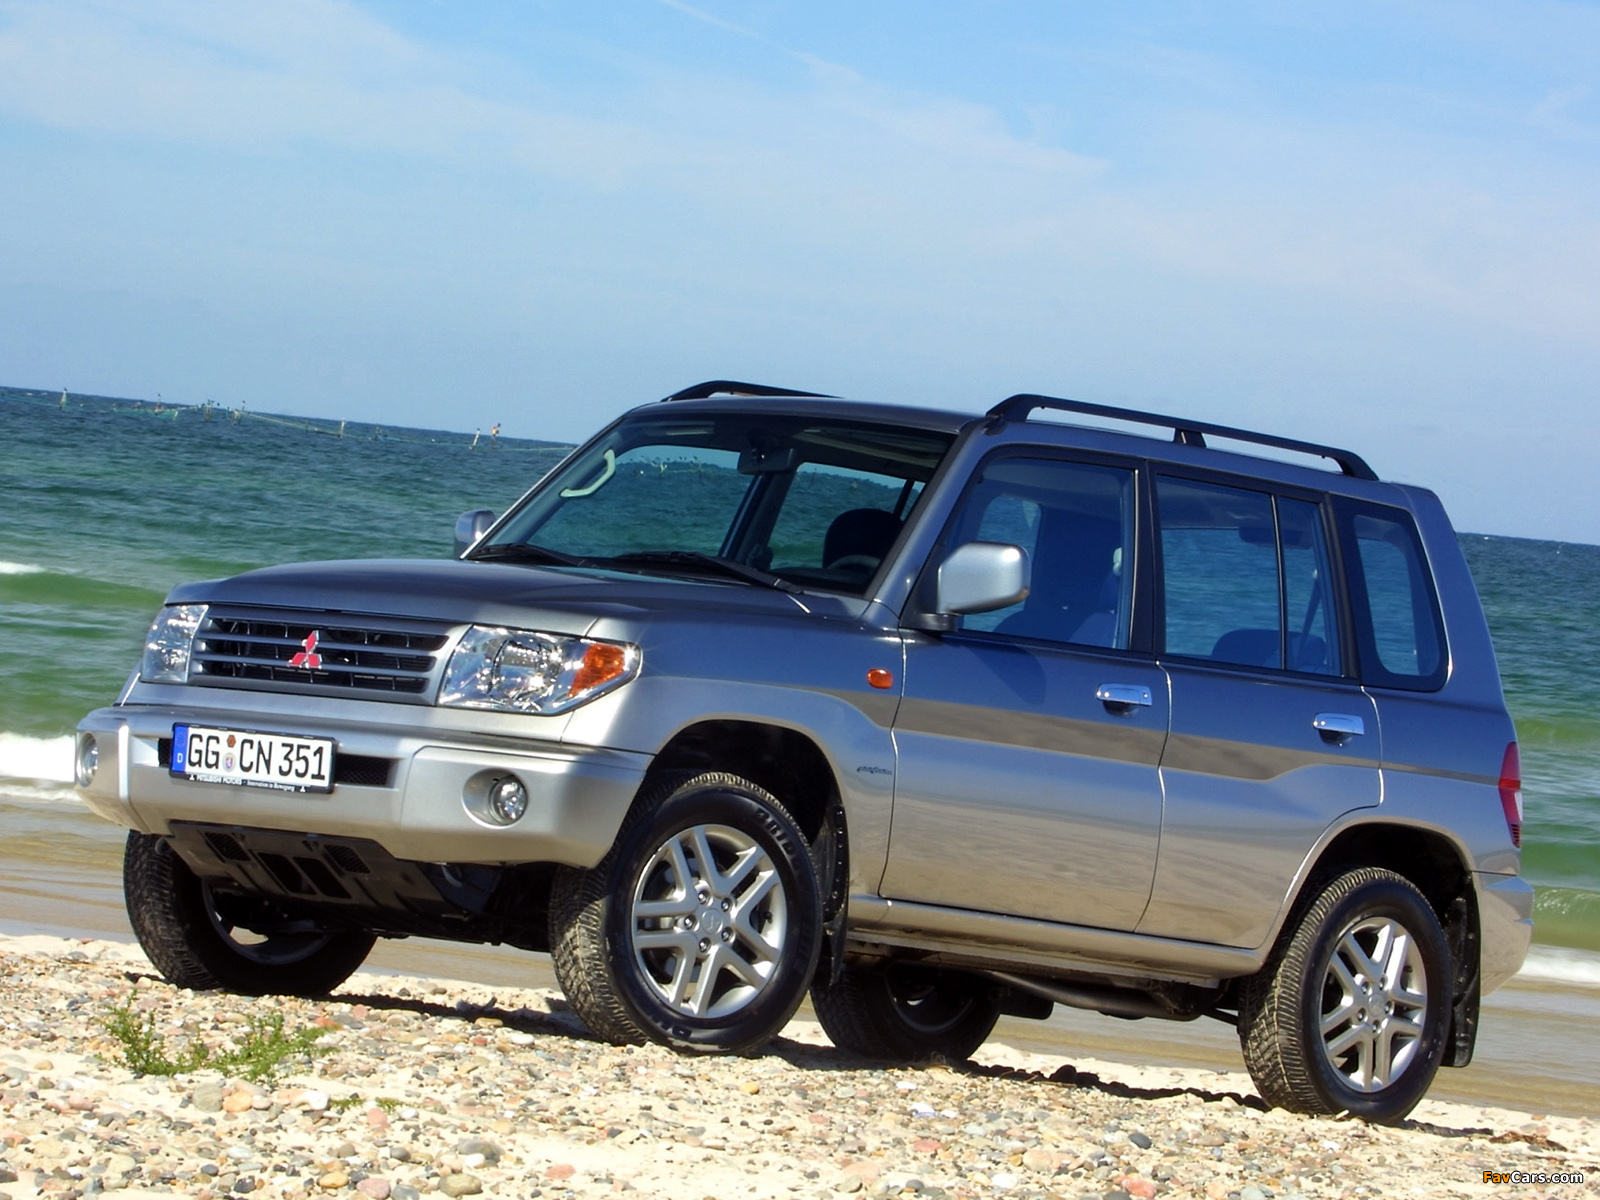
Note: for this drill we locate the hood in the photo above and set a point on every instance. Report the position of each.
(462, 591)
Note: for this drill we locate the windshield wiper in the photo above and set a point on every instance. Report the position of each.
(528, 552)
(697, 559)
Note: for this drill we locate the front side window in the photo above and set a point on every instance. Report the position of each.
(759, 497)
(1246, 578)
(1076, 521)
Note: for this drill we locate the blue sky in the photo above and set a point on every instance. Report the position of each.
(1373, 225)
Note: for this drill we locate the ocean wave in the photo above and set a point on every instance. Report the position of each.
(15, 568)
(22, 793)
(1561, 964)
(42, 760)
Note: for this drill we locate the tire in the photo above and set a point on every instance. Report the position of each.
(1351, 1011)
(181, 926)
(700, 929)
(907, 1013)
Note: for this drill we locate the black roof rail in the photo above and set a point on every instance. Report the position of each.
(1185, 431)
(732, 387)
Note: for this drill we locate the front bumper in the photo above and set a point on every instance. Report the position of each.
(577, 796)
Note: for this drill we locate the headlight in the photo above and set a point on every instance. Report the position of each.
(517, 670)
(166, 649)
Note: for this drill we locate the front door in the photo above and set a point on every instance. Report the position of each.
(1028, 741)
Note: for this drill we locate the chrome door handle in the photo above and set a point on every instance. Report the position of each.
(1336, 727)
(1128, 695)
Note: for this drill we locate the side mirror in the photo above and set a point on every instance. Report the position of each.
(470, 526)
(981, 577)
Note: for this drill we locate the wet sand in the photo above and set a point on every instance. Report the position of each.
(1538, 1045)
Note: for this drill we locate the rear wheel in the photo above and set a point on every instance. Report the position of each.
(700, 929)
(1350, 1012)
(907, 1013)
(200, 939)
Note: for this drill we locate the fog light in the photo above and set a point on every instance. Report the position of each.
(508, 799)
(88, 760)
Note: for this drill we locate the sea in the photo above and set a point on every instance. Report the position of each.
(106, 503)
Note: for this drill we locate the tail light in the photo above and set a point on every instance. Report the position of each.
(1511, 792)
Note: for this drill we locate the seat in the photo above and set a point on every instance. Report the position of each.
(1259, 648)
(859, 538)
(1074, 595)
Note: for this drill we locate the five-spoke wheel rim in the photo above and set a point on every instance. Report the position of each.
(1374, 1004)
(708, 921)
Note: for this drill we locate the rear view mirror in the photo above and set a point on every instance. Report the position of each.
(470, 526)
(763, 461)
(981, 577)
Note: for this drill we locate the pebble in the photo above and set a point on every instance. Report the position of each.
(237, 1102)
(466, 1093)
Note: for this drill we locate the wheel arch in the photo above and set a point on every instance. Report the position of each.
(792, 766)
(786, 762)
(1441, 871)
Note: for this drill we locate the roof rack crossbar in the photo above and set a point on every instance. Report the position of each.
(732, 387)
(1184, 431)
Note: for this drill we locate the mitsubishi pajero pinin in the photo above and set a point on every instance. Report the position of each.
(937, 716)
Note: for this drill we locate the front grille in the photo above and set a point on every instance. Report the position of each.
(357, 770)
(317, 654)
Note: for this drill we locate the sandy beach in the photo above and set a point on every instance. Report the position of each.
(437, 1086)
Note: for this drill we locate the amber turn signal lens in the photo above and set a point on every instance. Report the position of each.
(879, 678)
(601, 664)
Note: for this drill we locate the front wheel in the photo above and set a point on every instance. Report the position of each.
(700, 929)
(1350, 1012)
(907, 1013)
(202, 940)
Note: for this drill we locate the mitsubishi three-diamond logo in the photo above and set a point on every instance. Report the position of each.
(308, 658)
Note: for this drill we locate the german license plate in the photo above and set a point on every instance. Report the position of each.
(269, 760)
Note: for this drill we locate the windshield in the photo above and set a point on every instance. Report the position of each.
(806, 502)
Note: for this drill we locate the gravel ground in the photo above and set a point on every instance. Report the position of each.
(430, 1086)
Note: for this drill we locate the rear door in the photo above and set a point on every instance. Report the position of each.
(1272, 736)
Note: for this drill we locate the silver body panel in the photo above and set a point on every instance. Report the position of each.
(1053, 799)
(1250, 785)
(998, 812)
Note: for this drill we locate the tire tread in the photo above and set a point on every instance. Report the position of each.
(1272, 1035)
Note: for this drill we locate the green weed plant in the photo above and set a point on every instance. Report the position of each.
(259, 1055)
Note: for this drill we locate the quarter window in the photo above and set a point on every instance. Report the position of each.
(1246, 578)
(1396, 612)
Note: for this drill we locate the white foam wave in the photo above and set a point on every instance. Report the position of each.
(11, 568)
(1562, 964)
(46, 760)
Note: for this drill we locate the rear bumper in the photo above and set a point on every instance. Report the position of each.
(1505, 918)
(417, 809)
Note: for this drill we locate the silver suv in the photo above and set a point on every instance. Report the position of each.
(938, 716)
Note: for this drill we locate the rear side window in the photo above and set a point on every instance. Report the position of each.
(1246, 578)
(1398, 629)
